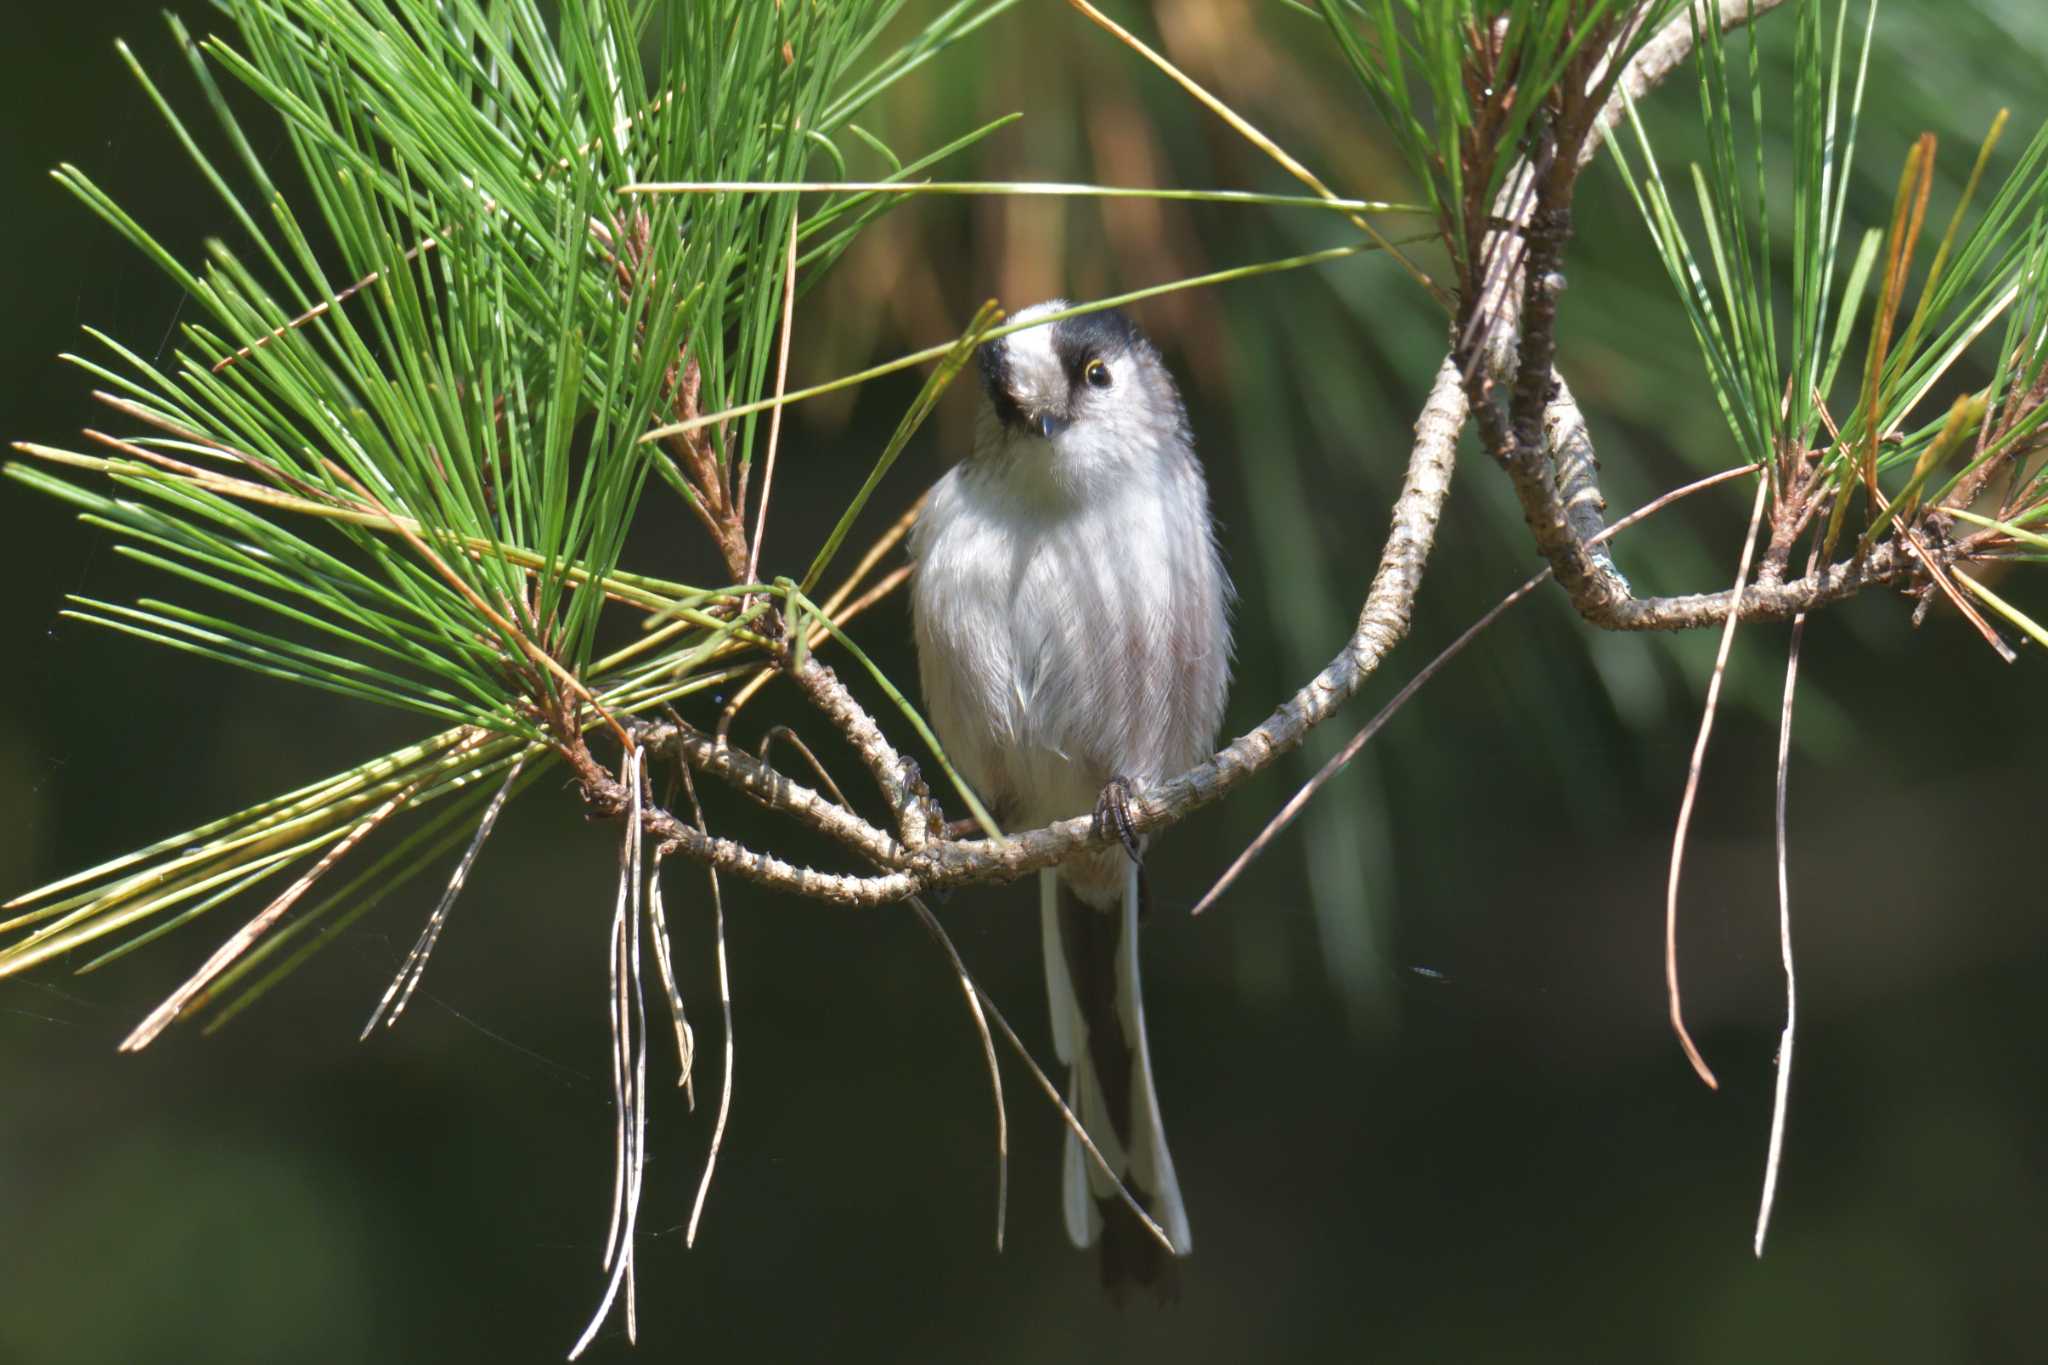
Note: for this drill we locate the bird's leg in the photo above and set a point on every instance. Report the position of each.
(1113, 811)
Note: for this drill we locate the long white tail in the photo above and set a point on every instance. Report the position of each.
(1098, 1026)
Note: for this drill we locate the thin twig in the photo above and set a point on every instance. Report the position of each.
(399, 993)
(1692, 788)
(774, 790)
(1664, 500)
(988, 1052)
(319, 309)
(1661, 55)
(796, 741)
(1343, 757)
(945, 942)
(1073, 1124)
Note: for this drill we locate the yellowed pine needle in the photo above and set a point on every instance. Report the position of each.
(242, 939)
(1908, 211)
(884, 543)
(210, 479)
(1943, 580)
(187, 850)
(1692, 788)
(2007, 610)
(1899, 239)
(1013, 188)
(1955, 225)
(891, 581)
(946, 348)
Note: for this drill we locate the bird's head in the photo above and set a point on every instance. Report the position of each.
(1091, 380)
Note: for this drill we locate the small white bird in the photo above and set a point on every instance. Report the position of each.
(1073, 638)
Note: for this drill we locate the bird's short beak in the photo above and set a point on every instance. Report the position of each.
(1050, 426)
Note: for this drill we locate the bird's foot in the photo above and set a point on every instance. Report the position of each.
(1113, 811)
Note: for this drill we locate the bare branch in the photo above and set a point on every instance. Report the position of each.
(1762, 602)
(1542, 444)
(923, 863)
(1545, 448)
(896, 776)
(771, 788)
(1351, 749)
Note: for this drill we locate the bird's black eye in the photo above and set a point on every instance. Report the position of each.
(1097, 374)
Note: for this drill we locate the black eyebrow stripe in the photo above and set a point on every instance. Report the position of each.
(1078, 340)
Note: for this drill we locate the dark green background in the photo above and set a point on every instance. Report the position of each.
(1471, 1138)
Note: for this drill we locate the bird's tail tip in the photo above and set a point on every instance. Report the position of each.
(1092, 980)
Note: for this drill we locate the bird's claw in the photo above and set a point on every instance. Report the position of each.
(1113, 811)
